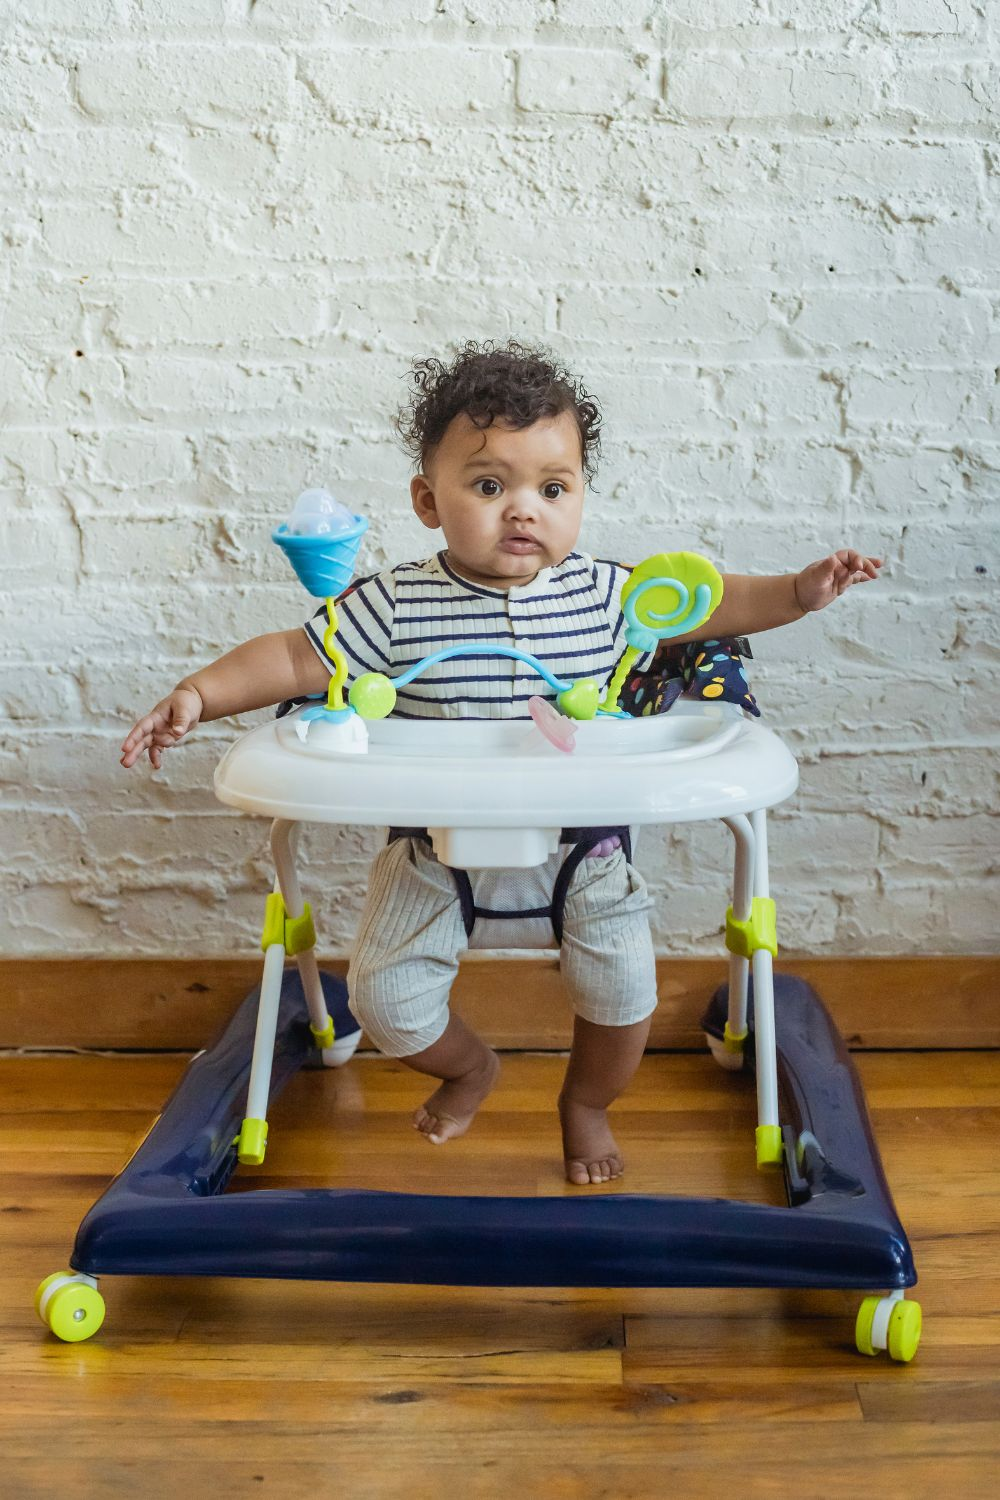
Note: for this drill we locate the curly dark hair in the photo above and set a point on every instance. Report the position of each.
(512, 383)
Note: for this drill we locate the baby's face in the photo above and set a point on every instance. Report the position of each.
(509, 500)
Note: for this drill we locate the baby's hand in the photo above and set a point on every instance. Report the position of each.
(822, 582)
(163, 726)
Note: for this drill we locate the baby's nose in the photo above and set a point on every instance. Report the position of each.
(521, 504)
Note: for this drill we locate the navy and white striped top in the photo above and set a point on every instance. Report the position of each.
(569, 616)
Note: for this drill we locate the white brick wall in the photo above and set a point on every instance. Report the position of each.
(765, 232)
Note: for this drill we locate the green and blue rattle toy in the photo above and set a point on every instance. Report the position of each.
(665, 596)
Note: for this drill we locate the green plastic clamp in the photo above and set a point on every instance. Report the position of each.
(323, 1036)
(251, 1142)
(733, 1041)
(760, 930)
(295, 934)
(770, 1150)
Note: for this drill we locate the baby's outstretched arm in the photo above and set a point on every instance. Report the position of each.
(258, 673)
(753, 604)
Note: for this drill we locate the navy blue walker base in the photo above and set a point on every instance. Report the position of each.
(167, 1212)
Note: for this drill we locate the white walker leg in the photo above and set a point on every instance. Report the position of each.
(763, 1001)
(730, 1052)
(749, 938)
(335, 1050)
(758, 821)
(251, 1142)
(284, 847)
(267, 1026)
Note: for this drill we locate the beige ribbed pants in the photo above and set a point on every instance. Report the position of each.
(405, 955)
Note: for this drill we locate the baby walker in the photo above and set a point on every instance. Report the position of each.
(167, 1212)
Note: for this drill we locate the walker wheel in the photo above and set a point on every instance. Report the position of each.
(73, 1311)
(899, 1324)
(905, 1323)
(342, 1050)
(863, 1325)
(731, 1061)
(43, 1287)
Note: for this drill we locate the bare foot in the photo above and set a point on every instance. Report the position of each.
(590, 1149)
(451, 1109)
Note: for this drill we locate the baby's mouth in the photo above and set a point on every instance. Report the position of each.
(520, 543)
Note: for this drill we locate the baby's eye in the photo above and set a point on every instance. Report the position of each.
(489, 493)
(559, 489)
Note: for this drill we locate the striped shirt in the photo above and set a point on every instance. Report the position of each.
(569, 616)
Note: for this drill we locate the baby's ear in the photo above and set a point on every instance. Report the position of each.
(422, 500)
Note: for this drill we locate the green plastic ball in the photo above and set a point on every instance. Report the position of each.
(373, 696)
(581, 700)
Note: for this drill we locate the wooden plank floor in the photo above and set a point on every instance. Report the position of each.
(231, 1388)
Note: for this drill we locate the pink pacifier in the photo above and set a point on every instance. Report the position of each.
(557, 730)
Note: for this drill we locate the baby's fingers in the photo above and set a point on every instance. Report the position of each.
(150, 731)
(140, 730)
(136, 741)
(133, 752)
(846, 578)
(857, 562)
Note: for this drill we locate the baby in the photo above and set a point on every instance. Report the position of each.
(505, 443)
